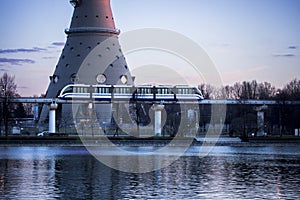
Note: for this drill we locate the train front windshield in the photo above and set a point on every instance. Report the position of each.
(69, 89)
(198, 92)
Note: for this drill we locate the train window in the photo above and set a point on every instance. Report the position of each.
(77, 90)
(164, 91)
(104, 90)
(74, 90)
(124, 90)
(84, 90)
(68, 90)
(146, 90)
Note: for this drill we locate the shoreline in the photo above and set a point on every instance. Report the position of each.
(139, 142)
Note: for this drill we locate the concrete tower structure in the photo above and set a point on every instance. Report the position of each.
(92, 54)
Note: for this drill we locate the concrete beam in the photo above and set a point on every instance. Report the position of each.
(206, 101)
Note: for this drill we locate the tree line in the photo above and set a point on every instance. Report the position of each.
(238, 91)
(252, 90)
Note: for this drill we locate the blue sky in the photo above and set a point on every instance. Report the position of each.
(246, 39)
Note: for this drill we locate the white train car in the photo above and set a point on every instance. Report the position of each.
(125, 92)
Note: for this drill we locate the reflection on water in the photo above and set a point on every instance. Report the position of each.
(227, 173)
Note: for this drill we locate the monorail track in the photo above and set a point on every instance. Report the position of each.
(205, 101)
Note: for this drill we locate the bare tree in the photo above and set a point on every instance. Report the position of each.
(250, 90)
(8, 90)
(237, 90)
(8, 86)
(292, 90)
(203, 89)
(266, 91)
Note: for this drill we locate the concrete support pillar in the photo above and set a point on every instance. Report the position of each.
(53, 107)
(157, 119)
(260, 123)
(261, 120)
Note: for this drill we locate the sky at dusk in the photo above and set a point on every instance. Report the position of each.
(246, 39)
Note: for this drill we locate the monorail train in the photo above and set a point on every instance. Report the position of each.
(124, 92)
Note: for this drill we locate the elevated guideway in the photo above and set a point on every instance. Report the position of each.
(205, 101)
(261, 106)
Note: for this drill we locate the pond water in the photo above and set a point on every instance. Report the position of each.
(271, 172)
